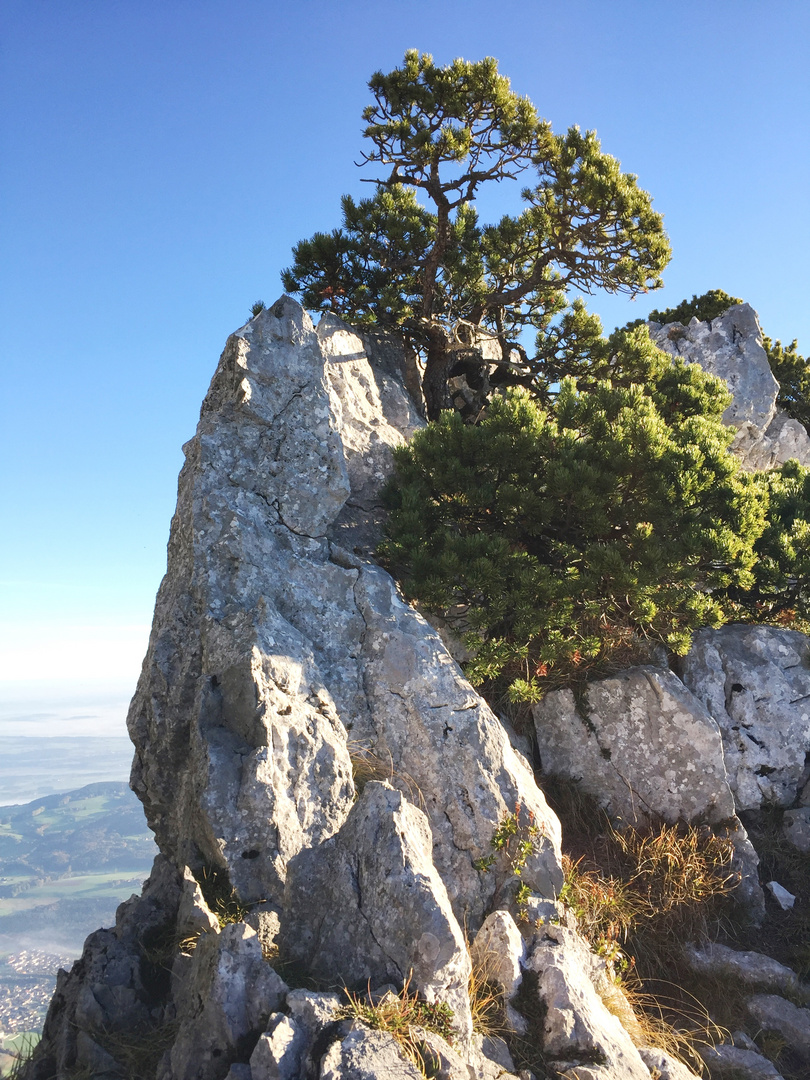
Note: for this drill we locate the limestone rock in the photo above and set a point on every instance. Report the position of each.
(281, 661)
(753, 969)
(641, 743)
(316, 1016)
(663, 1066)
(193, 914)
(755, 683)
(108, 989)
(784, 899)
(497, 955)
(226, 1003)
(490, 1058)
(578, 1029)
(731, 347)
(783, 439)
(796, 828)
(367, 1055)
(341, 897)
(498, 952)
(727, 1062)
(774, 1013)
(279, 1051)
(272, 638)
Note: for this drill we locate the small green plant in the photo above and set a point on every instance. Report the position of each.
(513, 842)
(401, 1015)
(780, 593)
(257, 308)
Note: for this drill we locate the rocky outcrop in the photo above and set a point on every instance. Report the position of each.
(326, 787)
(731, 347)
(308, 753)
(578, 1026)
(340, 898)
(278, 651)
(755, 683)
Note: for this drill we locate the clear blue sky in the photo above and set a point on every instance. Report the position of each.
(159, 158)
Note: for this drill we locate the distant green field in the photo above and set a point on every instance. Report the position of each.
(116, 885)
(67, 861)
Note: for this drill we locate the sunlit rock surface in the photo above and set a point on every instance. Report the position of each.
(731, 347)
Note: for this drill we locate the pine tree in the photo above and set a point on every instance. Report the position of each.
(441, 134)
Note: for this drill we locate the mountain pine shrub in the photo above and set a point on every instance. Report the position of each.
(553, 539)
(780, 592)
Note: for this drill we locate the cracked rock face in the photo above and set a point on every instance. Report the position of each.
(302, 735)
(278, 649)
(647, 748)
(755, 682)
(578, 1028)
(641, 743)
(368, 907)
(731, 347)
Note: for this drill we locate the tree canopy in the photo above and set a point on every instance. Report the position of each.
(555, 539)
(439, 134)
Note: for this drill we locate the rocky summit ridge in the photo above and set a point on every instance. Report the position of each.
(325, 785)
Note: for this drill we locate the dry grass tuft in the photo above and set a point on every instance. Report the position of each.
(368, 765)
(402, 1015)
(220, 896)
(487, 1002)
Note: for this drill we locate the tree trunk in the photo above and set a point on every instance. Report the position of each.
(437, 365)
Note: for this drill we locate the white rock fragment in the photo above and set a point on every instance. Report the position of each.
(784, 899)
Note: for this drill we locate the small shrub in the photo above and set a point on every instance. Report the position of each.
(709, 306)
(792, 372)
(512, 843)
(780, 593)
(257, 308)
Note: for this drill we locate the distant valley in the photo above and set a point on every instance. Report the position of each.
(66, 862)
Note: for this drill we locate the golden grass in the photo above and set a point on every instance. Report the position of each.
(402, 1015)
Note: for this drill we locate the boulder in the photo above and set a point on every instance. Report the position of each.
(755, 683)
(497, 955)
(727, 1062)
(641, 744)
(647, 750)
(752, 969)
(279, 1052)
(774, 1013)
(663, 1066)
(368, 1055)
(341, 898)
(796, 828)
(112, 987)
(731, 347)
